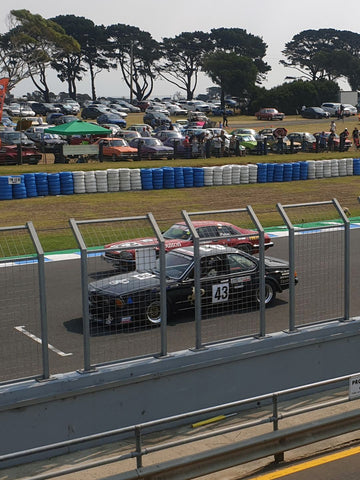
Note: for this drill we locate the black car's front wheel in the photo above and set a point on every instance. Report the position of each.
(153, 312)
(270, 294)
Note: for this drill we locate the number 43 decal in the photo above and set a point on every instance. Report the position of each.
(220, 292)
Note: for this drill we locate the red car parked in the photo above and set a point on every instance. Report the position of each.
(9, 155)
(179, 235)
(269, 114)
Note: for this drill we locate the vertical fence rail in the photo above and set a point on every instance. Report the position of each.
(42, 294)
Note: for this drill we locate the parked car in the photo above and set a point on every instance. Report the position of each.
(10, 137)
(42, 108)
(73, 103)
(286, 146)
(350, 109)
(157, 108)
(306, 139)
(247, 131)
(60, 120)
(156, 119)
(67, 108)
(269, 114)
(45, 142)
(111, 118)
(165, 134)
(314, 112)
(125, 104)
(52, 117)
(248, 141)
(179, 235)
(9, 155)
(128, 134)
(13, 109)
(336, 141)
(175, 109)
(93, 111)
(116, 148)
(228, 277)
(334, 109)
(151, 148)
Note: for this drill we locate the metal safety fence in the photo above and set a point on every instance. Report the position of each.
(138, 287)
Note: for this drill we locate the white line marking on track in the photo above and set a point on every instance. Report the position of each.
(23, 330)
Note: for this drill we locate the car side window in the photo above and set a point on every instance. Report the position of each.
(208, 231)
(224, 231)
(240, 263)
(213, 266)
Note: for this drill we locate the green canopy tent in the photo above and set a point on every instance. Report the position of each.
(78, 127)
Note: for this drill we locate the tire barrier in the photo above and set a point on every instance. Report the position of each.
(126, 179)
(30, 184)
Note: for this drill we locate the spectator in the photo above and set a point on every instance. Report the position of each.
(331, 141)
(355, 137)
(225, 120)
(217, 144)
(322, 141)
(343, 136)
(333, 126)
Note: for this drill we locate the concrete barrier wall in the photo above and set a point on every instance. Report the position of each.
(74, 405)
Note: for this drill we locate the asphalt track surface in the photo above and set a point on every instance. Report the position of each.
(319, 290)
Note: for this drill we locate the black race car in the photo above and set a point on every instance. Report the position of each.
(228, 277)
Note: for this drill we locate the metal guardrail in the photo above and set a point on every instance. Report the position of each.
(260, 446)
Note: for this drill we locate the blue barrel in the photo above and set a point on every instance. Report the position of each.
(30, 184)
(270, 172)
(262, 172)
(356, 166)
(288, 172)
(6, 192)
(179, 177)
(188, 177)
(296, 171)
(279, 172)
(54, 183)
(19, 189)
(198, 176)
(169, 177)
(66, 183)
(158, 178)
(41, 184)
(304, 168)
(146, 175)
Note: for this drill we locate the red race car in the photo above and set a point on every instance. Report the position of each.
(179, 235)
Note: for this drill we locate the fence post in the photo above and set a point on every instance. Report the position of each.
(278, 457)
(43, 312)
(84, 290)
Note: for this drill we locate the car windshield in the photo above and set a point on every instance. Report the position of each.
(247, 138)
(179, 232)
(176, 264)
(118, 143)
(152, 141)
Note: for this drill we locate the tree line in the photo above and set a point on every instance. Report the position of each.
(231, 57)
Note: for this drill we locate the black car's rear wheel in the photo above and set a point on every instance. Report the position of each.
(270, 294)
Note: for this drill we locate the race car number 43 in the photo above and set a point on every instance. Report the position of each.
(220, 292)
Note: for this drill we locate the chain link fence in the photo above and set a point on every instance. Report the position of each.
(141, 287)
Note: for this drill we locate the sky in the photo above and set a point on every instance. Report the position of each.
(275, 23)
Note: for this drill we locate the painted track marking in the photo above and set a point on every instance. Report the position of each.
(23, 330)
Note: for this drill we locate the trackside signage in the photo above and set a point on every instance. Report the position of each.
(354, 387)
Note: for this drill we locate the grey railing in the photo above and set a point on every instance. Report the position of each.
(259, 446)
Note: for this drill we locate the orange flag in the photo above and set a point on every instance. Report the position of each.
(3, 86)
